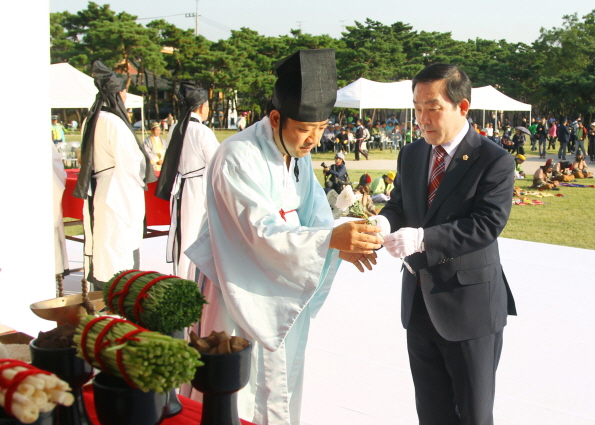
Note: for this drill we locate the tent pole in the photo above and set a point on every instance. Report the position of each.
(484, 119)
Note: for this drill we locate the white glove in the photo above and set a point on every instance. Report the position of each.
(405, 242)
(382, 222)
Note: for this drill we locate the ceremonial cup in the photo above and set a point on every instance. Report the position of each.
(117, 403)
(219, 379)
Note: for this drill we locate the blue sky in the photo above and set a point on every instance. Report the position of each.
(513, 20)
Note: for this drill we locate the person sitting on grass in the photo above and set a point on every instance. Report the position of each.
(518, 172)
(562, 171)
(580, 168)
(381, 188)
(364, 188)
(542, 179)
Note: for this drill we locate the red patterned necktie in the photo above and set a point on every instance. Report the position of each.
(437, 173)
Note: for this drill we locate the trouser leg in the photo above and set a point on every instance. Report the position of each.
(454, 380)
(581, 145)
(542, 150)
(434, 392)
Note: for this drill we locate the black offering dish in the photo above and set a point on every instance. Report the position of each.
(117, 403)
(64, 363)
(219, 379)
(46, 418)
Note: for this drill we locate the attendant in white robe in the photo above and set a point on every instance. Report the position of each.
(181, 180)
(268, 251)
(59, 180)
(115, 170)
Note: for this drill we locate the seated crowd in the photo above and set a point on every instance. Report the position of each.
(360, 136)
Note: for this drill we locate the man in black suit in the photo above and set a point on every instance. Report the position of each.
(564, 138)
(451, 200)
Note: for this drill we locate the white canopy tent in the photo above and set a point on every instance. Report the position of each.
(490, 99)
(367, 94)
(71, 88)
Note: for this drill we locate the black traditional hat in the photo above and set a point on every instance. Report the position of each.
(106, 80)
(190, 96)
(306, 88)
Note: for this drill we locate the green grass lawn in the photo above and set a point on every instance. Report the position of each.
(566, 220)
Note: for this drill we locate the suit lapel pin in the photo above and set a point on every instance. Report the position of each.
(465, 157)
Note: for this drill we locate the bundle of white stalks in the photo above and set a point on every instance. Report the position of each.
(34, 394)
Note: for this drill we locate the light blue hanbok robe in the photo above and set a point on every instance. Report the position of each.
(266, 275)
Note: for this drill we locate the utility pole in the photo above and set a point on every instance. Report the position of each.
(196, 29)
(194, 15)
(300, 24)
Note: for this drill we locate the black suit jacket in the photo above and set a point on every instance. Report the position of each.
(563, 134)
(460, 274)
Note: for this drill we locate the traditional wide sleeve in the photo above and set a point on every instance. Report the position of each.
(267, 269)
(209, 145)
(128, 172)
(150, 150)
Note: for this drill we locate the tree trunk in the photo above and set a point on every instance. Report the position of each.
(155, 97)
(174, 100)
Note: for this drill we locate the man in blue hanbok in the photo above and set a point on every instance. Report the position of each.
(268, 251)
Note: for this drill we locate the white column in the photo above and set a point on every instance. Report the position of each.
(26, 223)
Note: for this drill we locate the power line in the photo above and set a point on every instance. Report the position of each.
(215, 24)
(159, 17)
(192, 15)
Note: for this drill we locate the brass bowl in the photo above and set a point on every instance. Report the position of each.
(67, 309)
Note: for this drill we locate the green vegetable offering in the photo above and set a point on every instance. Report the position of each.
(157, 302)
(144, 359)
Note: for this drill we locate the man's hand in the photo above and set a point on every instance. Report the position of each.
(358, 259)
(352, 237)
(404, 242)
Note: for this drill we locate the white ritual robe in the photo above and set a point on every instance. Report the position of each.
(59, 180)
(265, 277)
(200, 143)
(116, 230)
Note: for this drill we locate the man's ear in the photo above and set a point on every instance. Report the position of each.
(275, 118)
(464, 105)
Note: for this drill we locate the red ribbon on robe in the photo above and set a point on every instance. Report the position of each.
(282, 213)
